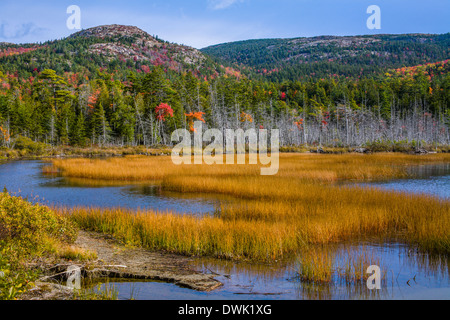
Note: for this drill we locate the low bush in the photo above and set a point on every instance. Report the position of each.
(26, 146)
(27, 231)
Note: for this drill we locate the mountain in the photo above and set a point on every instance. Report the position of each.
(119, 49)
(114, 47)
(319, 57)
(127, 42)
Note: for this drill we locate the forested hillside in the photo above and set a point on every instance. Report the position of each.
(330, 56)
(115, 48)
(119, 86)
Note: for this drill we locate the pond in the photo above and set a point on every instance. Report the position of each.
(425, 179)
(25, 179)
(408, 273)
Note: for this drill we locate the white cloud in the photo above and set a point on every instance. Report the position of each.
(222, 4)
(16, 32)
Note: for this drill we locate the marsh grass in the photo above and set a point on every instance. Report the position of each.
(310, 167)
(206, 236)
(99, 291)
(355, 265)
(270, 217)
(315, 266)
(270, 230)
(73, 253)
(331, 265)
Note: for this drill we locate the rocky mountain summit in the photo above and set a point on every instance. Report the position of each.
(132, 43)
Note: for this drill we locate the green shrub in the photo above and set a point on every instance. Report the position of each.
(27, 231)
(293, 149)
(380, 146)
(32, 224)
(15, 278)
(27, 146)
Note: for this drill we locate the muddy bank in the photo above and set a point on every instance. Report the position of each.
(116, 261)
(145, 265)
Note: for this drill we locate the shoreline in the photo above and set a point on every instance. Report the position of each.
(110, 152)
(119, 262)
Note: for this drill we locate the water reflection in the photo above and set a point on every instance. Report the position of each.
(426, 179)
(25, 178)
(406, 275)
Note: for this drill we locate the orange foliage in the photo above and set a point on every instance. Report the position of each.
(93, 99)
(191, 117)
(5, 134)
(246, 117)
(299, 124)
(15, 51)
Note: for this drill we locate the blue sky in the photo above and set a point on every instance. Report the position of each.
(200, 23)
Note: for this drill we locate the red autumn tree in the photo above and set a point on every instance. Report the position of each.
(162, 111)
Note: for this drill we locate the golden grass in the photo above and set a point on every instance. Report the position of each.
(74, 253)
(323, 264)
(131, 168)
(271, 217)
(207, 236)
(271, 230)
(309, 167)
(316, 266)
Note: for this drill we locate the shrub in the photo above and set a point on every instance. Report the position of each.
(380, 146)
(32, 225)
(26, 145)
(27, 231)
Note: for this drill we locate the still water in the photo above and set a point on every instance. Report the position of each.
(25, 179)
(426, 179)
(408, 274)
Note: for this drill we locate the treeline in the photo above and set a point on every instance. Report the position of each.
(144, 108)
